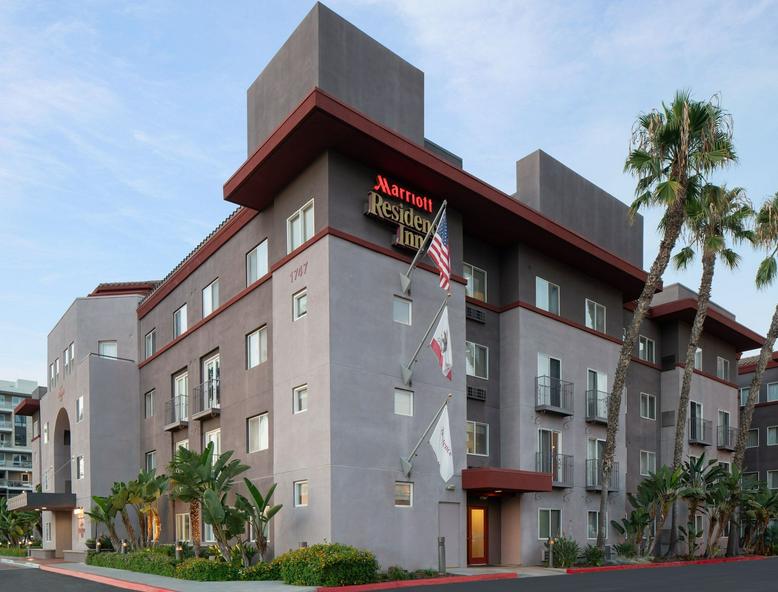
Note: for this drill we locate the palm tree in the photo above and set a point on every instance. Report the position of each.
(120, 497)
(716, 215)
(722, 502)
(104, 512)
(672, 152)
(151, 488)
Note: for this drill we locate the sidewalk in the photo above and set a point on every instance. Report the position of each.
(529, 571)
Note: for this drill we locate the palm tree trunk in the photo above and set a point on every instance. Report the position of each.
(673, 223)
(194, 525)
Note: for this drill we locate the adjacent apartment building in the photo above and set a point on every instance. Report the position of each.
(761, 459)
(16, 434)
(283, 335)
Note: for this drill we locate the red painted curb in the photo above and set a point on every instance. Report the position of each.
(578, 570)
(421, 582)
(138, 587)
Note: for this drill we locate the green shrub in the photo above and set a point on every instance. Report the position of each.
(261, 571)
(145, 561)
(425, 573)
(13, 551)
(328, 564)
(566, 552)
(593, 555)
(395, 572)
(626, 550)
(206, 570)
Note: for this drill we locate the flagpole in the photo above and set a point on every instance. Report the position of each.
(407, 461)
(407, 369)
(405, 278)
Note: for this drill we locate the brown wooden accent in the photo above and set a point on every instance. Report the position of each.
(482, 559)
(27, 406)
(488, 479)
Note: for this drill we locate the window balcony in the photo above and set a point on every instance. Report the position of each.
(553, 395)
(206, 400)
(597, 406)
(6, 425)
(559, 465)
(594, 475)
(14, 484)
(701, 432)
(727, 438)
(15, 464)
(177, 413)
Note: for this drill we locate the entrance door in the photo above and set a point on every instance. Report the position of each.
(549, 447)
(550, 371)
(597, 382)
(477, 535)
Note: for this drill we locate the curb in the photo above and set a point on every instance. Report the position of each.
(138, 587)
(579, 570)
(19, 562)
(420, 582)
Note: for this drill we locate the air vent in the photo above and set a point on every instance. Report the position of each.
(475, 314)
(477, 393)
(668, 419)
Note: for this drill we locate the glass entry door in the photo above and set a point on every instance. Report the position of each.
(477, 535)
(549, 446)
(211, 383)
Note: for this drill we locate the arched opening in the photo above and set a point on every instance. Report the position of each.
(62, 469)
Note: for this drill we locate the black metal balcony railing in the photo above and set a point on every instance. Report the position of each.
(553, 394)
(597, 406)
(559, 465)
(594, 475)
(727, 438)
(206, 399)
(177, 412)
(700, 431)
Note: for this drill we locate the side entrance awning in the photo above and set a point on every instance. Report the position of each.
(33, 500)
(493, 480)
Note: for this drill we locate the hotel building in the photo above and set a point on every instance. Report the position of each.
(761, 455)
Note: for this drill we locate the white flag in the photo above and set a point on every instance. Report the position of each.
(441, 344)
(440, 440)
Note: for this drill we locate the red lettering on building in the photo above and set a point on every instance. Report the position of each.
(394, 190)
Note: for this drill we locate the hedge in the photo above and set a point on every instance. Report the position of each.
(206, 570)
(13, 551)
(261, 571)
(329, 564)
(141, 561)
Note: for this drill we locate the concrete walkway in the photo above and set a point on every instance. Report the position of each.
(529, 571)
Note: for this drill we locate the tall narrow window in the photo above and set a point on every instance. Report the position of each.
(80, 408)
(256, 347)
(300, 304)
(72, 349)
(180, 397)
(403, 402)
(722, 368)
(300, 398)
(647, 462)
(151, 460)
(150, 343)
(183, 527)
(546, 295)
(214, 437)
(402, 310)
(647, 406)
(179, 321)
(80, 467)
(698, 359)
(744, 392)
(256, 263)
(46, 433)
(107, 349)
(772, 391)
(752, 438)
(301, 494)
(476, 282)
(593, 524)
(476, 360)
(772, 436)
(595, 316)
(646, 349)
(257, 427)
(299, 227)
(210, 297)
(148, 404)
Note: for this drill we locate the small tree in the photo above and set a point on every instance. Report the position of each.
(104, 512)
(699, 476)
(259, 511)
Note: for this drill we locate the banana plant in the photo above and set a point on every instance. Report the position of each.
(257, 507)
(104, 512)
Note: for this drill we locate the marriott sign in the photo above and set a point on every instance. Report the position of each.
(387, 201)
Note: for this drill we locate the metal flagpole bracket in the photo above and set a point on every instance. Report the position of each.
(406, 462)
(405, 278)
(407, 369)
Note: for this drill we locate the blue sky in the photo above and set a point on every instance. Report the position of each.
(119, 123)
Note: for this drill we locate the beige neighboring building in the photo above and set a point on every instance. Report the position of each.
(16, 434)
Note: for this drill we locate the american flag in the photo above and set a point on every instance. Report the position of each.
(439, 252)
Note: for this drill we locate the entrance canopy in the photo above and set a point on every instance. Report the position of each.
(33, 500)
(492, 480)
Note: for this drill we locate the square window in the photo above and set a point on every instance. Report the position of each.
(256, 263)
(476, 360)
(256, 347)
(593, 524)
(148, 404)
(210, 298)
(151, 460)
(595, 316)
(403, 402)
(647, 406)
(772, 391)
(299, 227)
(80, 409)
(752, 440)
(476, 282)
(403, 494)
(107, 349)
(257, 427)
(300, 304)
(300, 494)
(546, 295)
(179, 321)
(477, 437)
(402, 310)
(150, 343)
(647, 462)
(772, 436)
(646, 349)
(722, 368)
(300, 398)
(549, 523)
(751, 478)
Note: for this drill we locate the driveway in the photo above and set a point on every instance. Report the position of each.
(24, 579)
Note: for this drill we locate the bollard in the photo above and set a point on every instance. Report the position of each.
(441, 555)
(550, 551)
(179, 551)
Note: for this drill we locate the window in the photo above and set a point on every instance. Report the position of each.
(45, 481)
(477, 360)
(402, 311)
(476, 282)
(151, 460)
(66, 357)
(403, 402)
(772, 479)
(725, 466)
(595, 316)
(256, 347)
(698, 359)
(51, 374)
(256, 263)
(46, 433)
(72, 349)
(300, 494)
(300, 398)
(477, 438)
(549, 523)
(184, 444)
(215, 437)
(179, 321)
(47, 532)
(107, 349)
(299, 227)
(208, 533)
(546, 295)
(56, 367)
(593, 524)
(647, 406)
(752, 441)
(699, 524)
(744, 392)
(257, 428)
(183, 527)
(148, 404)
(180, 397)
(751, 478)
(772, 391)
(80, 469)
(647, 462)
(300, 304)
(150, 343)
(646, 349)
(80, 408)
(722, 368)
(210, 297)
(403, 494)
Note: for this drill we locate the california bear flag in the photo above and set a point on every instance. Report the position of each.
(440, 440)
(441, 344)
